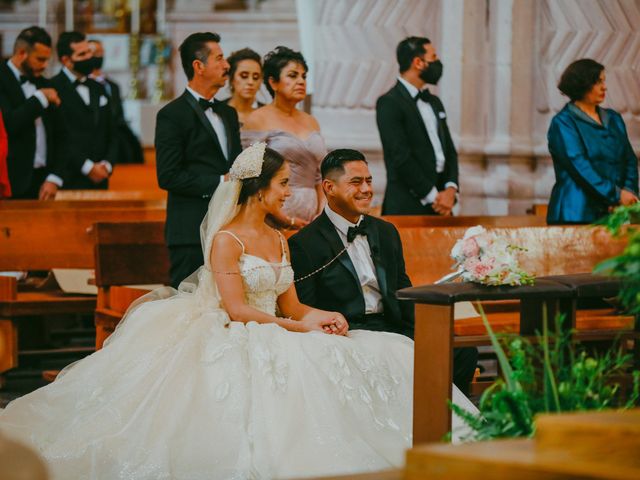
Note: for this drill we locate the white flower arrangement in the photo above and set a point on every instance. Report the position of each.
(483, 257)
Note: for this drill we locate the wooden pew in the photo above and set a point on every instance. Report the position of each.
(77, 204)
(46, 238)
(585, 445)
(417, 221)
(126, 253)
(42, 238)
(94, 195)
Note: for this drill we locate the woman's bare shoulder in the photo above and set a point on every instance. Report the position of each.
(258, 119)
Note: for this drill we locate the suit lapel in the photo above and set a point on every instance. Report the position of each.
(203, 119)
(13, 82)
(373, 237)
(328, 231)
(94, 102)
(412, 106)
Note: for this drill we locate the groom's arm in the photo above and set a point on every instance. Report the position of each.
(302, 266)
(407, 310)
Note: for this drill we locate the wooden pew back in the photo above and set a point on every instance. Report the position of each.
(45, 238)
(130, 253)
(551, 250)
(402, 221)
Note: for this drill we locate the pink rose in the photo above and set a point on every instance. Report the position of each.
(482, 269)
(470, 248)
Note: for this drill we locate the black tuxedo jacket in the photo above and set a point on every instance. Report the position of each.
(19, 115)
(189, 163)
(337, 288)
(91, 130)
(129, 147)
(408, 153)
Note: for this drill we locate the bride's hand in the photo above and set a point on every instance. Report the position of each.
(328, 322)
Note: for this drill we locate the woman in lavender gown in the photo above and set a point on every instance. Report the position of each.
(292, 133)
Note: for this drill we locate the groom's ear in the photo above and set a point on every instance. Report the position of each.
(327, 186)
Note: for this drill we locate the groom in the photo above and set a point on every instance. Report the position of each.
(361, 282)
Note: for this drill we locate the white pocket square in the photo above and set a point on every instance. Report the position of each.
(103, 100)
(442, 115)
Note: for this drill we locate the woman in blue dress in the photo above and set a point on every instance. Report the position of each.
(595, 166)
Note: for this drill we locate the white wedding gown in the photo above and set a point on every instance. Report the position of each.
(180, 392)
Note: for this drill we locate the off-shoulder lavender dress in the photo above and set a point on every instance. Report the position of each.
(304, 157)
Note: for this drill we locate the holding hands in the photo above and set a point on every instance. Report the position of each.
(332, 323)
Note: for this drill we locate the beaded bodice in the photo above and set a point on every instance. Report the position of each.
(264, 281)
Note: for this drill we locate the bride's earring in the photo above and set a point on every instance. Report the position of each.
(259, 196)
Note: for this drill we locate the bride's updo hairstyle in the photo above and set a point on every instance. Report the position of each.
(272, 162)
(276, 60)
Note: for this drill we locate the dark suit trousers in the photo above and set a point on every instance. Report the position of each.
(33, 192)
(184, 259)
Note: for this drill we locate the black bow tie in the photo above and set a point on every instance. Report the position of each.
(78, 82)
(206, 104)
(23, 79)
(423, 95)
(353, 232)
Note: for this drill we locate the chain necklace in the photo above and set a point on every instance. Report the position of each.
(309, 275)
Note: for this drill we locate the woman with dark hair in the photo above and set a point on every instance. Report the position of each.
(292, 132)
(231, 377)
(245, 78)
(595, 166)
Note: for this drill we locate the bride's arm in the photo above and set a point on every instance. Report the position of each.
(225, 254)
(290, 305)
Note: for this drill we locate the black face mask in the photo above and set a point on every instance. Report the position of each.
(84, 67)
(432, 72)
(97, 62)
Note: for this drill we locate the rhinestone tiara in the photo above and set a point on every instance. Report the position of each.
(249, 163)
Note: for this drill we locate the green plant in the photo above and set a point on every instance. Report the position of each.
(552, 374)
(626, 265)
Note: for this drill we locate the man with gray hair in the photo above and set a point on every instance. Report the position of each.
(197, 140)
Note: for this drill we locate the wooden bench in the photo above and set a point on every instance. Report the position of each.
(126, 253)
(417, 221)
(43, 237)
(594, 445)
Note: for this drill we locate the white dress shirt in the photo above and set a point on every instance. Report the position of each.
(431, 124)
(40, 156)
(85, 95)
(360, 254)
(215, 121)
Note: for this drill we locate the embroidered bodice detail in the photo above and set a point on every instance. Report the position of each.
(264, 281)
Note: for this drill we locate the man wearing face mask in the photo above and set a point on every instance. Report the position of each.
(87, 114)
(129, 148)
(419, 155)
(29, 105)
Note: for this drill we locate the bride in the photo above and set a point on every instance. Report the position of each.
(231, 377)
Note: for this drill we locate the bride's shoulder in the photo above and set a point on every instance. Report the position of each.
(227, 243)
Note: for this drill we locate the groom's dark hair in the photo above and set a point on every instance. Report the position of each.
(408, 49)
(335, 160)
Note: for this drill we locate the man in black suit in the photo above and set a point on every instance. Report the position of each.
(419, 155)
(197, 138)
(36, 157)
(352, 263)
(129, 148)
(92, 145)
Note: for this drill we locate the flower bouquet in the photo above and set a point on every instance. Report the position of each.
(483, 257)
